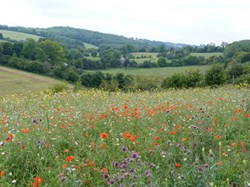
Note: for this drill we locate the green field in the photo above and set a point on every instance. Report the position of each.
(89, 46)
(197, 137)
(140, 57)
(18, 35)
(206, 55)
(92, 58)
(157, 72)
(15, 81)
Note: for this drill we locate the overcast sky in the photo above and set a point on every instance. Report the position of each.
(179, 21)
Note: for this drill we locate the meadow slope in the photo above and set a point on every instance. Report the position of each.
(196, 137)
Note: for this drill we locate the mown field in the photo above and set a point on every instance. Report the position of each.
(140, 57)
(157, 72)
(206, 55)
(15, 81)
(196, 137)
(18, 35)
(89, 46)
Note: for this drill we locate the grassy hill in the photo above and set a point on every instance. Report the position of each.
(12, 35)
(75, 38)
(14, 81)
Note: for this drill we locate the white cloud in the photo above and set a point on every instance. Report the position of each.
(186, 21)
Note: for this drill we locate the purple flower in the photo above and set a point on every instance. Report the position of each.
(179, 145)
(195, 127)
(116, 164)
(123, 166)
(151, 165)
(105, 176)
(147, 173)
(121, 178)
(111, 182)
(38, 142)
(206, 165)
(200, 168)
(124, 149)
(134, 155)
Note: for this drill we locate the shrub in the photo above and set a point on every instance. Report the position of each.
(59, 88)
(215, 76)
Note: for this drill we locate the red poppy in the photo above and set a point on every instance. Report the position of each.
(220, 163)
(26, 130)
(104, 135)
(171, 132)
(104, 170)
(133, 138)
(177, 165)
(233, 144)
(38, 180)
(70, 158)
(2, 173)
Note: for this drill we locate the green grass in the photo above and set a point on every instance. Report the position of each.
(92, 58)
(197, 137)
(18, 35)
(15, 82)
(157, 72)
(89, 46)
(206, 55)
(140, 57)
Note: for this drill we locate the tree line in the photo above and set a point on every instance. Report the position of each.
(50, 58)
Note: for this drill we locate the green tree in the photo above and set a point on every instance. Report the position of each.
(29, 49)
(215, 76)
(53, 50)
(162, 62)
(8, 48)
(1, 36)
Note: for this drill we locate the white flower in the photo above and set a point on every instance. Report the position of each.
(13, 181)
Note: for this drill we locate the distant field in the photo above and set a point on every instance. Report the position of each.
(158, 72)
(18, 35)
(206, 55)
(92, 58)
(140, 57)
(89, 46)
(14, 81)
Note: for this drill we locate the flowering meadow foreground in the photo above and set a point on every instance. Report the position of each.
(196, 137)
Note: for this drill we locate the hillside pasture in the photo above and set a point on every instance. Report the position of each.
(18, 36)
(14, 81)
(157, 72)
(89, 46)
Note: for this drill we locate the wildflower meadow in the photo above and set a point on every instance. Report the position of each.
(193, 137)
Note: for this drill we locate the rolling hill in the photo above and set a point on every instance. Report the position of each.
(75, 37)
